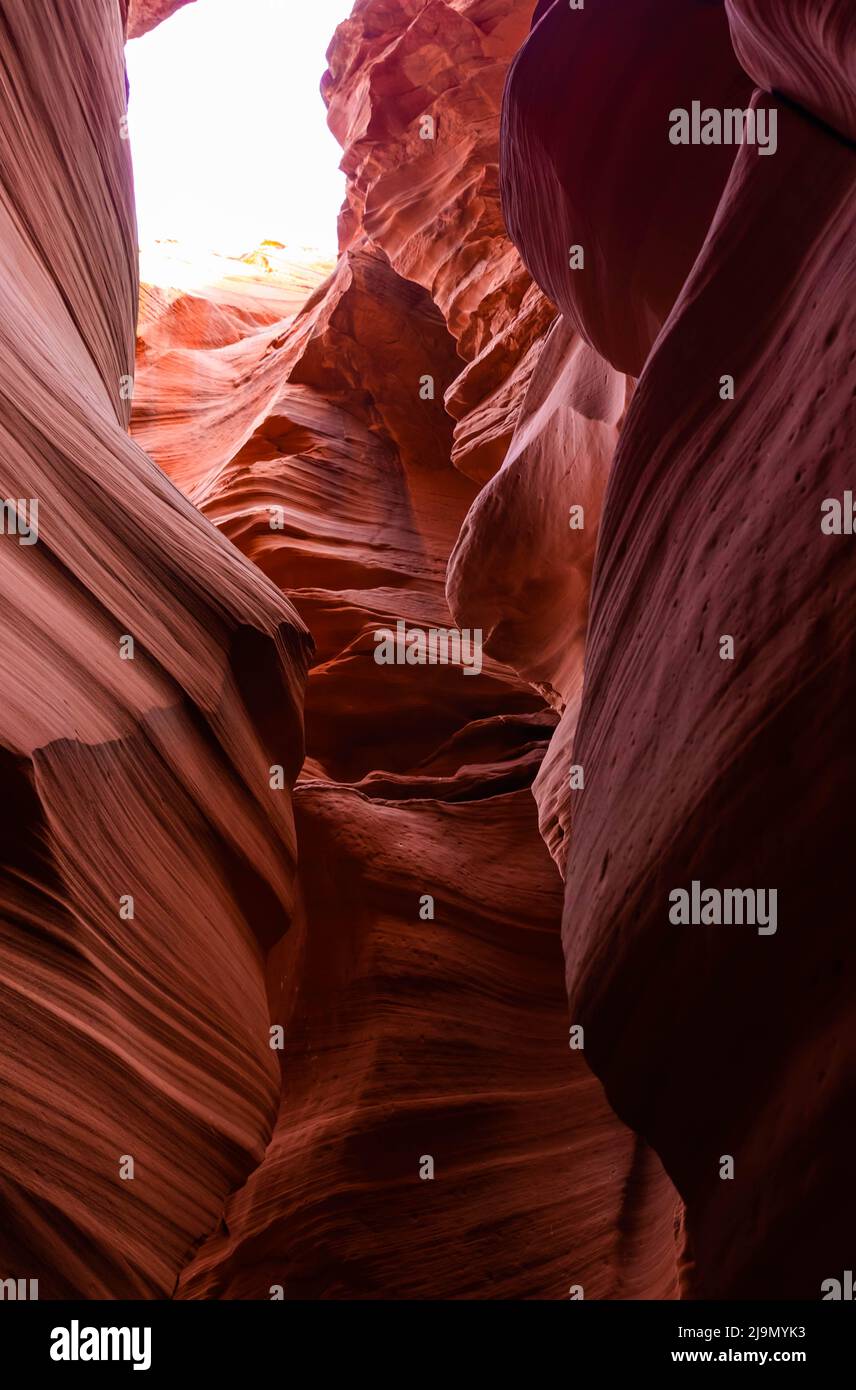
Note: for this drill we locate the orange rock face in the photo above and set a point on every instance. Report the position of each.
(144, 15)
(416, 795)
(155, 676)
(717, 666)
(155, 936)
(532, 599)
(283, 962)
(413, 91)
(321, 447)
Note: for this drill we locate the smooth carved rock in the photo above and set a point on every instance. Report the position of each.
(520, 569)
(290, 407)
(587, 161)
(146, 14)
(143, 778)
(803, 49)
(402, 1033)
(713, 1040)
(446, 1038)
(432, 204)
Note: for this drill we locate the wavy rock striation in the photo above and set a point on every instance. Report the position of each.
(147, 862)
(712, 1041)
(413, 91)
(314, 447)
(455, 426)
(713, 528)
(402, 1031)
(803, 52)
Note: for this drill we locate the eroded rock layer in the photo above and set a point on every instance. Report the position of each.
(423, 944)
(328, 465)
(739, 772)
(413, 90)
(802, 51)
(718, 667)
(144, 15)
(587, 162)
(696, 269)
(402, 1023)
(419, 440)
(154, 675)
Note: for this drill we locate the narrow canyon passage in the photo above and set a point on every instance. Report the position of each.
(332, 971)
(420, 990)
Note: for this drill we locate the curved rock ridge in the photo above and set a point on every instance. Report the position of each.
(416, 787)
(144, 15)
(413, 91)
(314, 446)
(711, 526)
(804, 50)
(676, 745)
(588, 165)
(522, 563)
(316, 1002)
(736, 773)
(148, 863)
(411, 1041)
(433, 205)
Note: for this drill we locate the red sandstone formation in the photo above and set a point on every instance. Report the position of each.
(401, 71)
(145, 778)
(586, 163)
(737, 773)
(150, 780)
(146, 14)
(412, 956)
(313, 448)
(190, 301)
(447, 1039)
(714, 1040)
(522, 565)
(417, 782)
(802, 51)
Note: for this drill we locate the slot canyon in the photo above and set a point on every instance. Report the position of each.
(368, 967)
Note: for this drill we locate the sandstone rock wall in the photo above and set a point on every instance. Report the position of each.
(464, 423)
(143, 779)
(313, 447)
(712, 1041)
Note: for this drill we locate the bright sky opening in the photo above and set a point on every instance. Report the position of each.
(228, 129)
